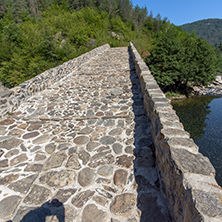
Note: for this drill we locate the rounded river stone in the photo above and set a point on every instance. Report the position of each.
(73, 162)
(81, 140)
(91, 213)
(86, 177)
(30, 135)
(105, 171)
(123, 205)
(107, 140)
(120, 178)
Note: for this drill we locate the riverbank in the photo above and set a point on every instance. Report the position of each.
(201, 117)
(213, 89)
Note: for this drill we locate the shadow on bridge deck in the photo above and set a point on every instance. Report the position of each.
(150, 201)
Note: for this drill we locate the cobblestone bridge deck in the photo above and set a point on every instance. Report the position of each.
(82, 150)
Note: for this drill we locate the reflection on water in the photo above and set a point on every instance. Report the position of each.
(192, 113)
(202, 118)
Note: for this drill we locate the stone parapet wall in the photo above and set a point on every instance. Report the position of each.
(12, 98)
(187, 178)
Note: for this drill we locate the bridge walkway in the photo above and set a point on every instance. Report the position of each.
(82, 150)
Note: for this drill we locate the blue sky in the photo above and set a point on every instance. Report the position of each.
(180, 12)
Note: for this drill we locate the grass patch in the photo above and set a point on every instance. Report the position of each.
(171, 95)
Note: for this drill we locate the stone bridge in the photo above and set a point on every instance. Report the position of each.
(96, 140)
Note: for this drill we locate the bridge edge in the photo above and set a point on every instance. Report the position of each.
(10, 99)
(187, 178)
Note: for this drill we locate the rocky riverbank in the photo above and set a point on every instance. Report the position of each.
(213, 89)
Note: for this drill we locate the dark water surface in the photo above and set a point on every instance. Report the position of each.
(202, 118)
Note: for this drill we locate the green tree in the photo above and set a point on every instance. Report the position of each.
(3, 8)
(44, 33)
(139, 15)
(180, 60)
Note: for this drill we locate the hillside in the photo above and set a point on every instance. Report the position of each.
(209, 29)
(36, 35)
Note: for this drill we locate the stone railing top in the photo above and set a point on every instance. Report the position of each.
(187, 178)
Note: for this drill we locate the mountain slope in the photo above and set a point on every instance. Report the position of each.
(209, 29)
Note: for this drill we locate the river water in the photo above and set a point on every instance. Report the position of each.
(202, 118)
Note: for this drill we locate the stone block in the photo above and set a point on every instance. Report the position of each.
(23, 186)
(3, 101)
(183, 143)
(6, 93)
(186, 161)
(172, 133)
(86, 177)
(208, 203)
(37, 196)
(91, 213)
(170, 116)
(151, 92)
(167, 124)
(151, 86)
(8, 206)
(58, 179)
(123, 205)
(80, 199)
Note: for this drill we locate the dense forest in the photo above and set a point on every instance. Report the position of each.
(179, 61)
(208, 29)
(36, 35)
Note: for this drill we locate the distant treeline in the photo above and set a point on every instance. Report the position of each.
(23, 9)
(209, 29)
(36, 35)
